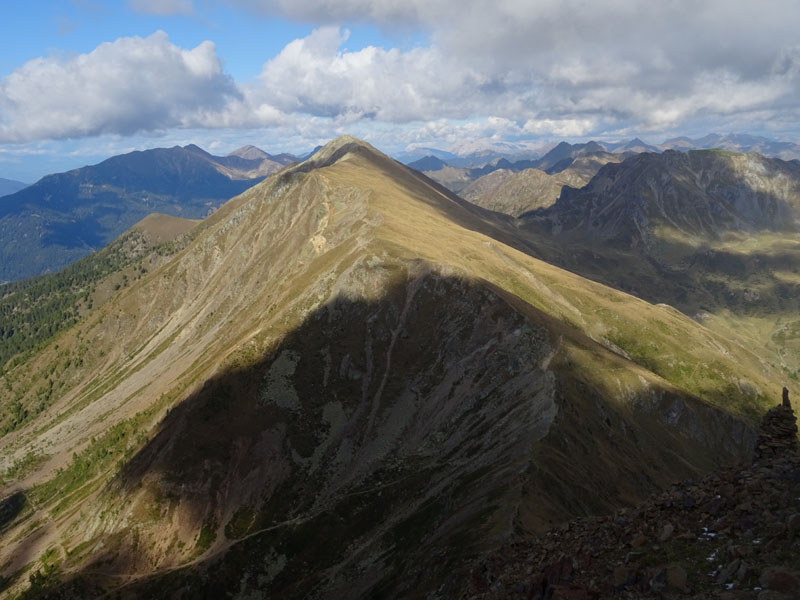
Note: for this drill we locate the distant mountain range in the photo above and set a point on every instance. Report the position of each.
(556, 160)
(736, 143)
(65, 216)
(9, 186)
(516, 192)
(634, 145)
(476, 155)
(467, 157)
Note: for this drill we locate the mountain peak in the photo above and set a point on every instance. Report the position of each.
(195, 148)
(342, 141)
(428, 163)
(592, 146)
(249, 152)
(338, 148)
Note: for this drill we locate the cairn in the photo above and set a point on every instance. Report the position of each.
(778, 431)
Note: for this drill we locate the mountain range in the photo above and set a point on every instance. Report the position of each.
(481, 184)
(714, 233)
(467, 157)
(349, 381)
(517, 192)
(65, 216)
(736, 142)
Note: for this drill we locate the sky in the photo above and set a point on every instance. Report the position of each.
(82, 80)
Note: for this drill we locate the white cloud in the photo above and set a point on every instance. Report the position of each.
(567, 62)
(130, 85)
(491, 70)
(560, 127)
(312, 75)
(162, 7)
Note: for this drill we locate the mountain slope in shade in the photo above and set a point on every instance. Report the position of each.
(701, 194)
(65, 216)
(714, 233)
(652, 549)
(428, 163)
(9, 186)
(350, 382)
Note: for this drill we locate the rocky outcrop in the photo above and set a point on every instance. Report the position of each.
(778, 432)
(734, 534)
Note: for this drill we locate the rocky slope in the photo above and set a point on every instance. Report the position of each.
(349, 383)
(734, 534)
(517, 193)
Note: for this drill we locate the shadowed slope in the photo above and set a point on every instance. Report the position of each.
(713, 233)
(424, 423)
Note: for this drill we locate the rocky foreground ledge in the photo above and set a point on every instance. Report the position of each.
(732, 535)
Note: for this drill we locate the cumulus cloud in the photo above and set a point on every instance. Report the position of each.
(558, 65)
(499, 68)
(560, 127)
(130, 85)
(312, 75)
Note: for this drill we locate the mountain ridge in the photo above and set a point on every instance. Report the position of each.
(349, 350)
(767, 201)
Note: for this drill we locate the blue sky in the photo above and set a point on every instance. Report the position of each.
(244, 41)
(82, 80)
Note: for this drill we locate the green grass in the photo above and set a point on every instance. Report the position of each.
(240, 523)
(106, 452)
(206, 537)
